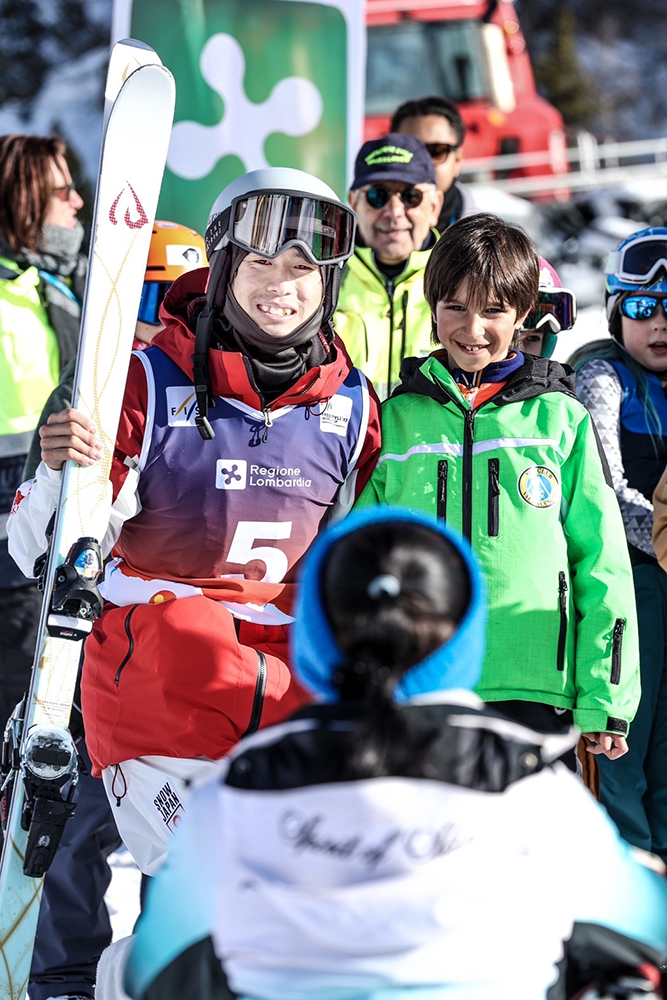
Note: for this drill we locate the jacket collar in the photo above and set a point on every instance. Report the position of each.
(416, 261)
(533, 378)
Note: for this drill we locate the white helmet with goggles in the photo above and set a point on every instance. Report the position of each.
(639, 264)
(267, 211)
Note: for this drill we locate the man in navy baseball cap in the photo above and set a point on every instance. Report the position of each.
(383, 316)
(394, 157)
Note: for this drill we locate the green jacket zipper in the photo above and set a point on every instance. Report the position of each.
(468, 438)
(562, 631)
(130, 639)
(258, 700)
(494, 495)
(616, 650)
(441, 503)
(390, 292)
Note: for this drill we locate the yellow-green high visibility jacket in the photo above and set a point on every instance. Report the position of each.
(381, 321)
(29, 370)
(29, 357)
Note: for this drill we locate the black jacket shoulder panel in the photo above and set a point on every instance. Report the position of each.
(536, 377)
(471, 748)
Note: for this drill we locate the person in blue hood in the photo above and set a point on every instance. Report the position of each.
(396, 839)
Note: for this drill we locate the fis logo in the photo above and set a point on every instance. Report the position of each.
(231, 474)
(181, 406)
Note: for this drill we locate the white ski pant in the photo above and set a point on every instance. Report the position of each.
(148, 797)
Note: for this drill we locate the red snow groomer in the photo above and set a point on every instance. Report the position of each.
(474, 53)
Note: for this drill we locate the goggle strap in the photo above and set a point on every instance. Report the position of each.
(200, 372)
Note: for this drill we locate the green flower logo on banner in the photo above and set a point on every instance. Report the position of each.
(258, 83)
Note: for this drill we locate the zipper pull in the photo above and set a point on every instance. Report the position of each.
(268, 422)
(619, 628)
(562, 590)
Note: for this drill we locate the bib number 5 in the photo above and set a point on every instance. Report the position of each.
(243, 549)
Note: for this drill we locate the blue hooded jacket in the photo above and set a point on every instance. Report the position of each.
(316, 654)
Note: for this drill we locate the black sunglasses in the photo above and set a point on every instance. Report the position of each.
(378, 196)
(439, 150)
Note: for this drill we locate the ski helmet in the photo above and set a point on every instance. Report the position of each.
(174, 250)
(266, 212)
(639, 263)
(555, 309)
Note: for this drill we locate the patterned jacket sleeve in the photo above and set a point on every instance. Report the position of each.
(600, 390)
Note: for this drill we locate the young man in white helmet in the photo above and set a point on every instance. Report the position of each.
(243, 426)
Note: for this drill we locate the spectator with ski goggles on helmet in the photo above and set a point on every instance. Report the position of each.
(622, 381)
(383, 316)
(243, 426)
(174, 251)
(554, 311)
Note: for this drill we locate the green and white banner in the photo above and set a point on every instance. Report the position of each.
(258, 83)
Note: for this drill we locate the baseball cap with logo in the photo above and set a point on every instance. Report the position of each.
(394, 157)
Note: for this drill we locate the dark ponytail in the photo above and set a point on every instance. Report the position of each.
(394, 592)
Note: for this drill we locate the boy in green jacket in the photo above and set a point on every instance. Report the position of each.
(496, 443)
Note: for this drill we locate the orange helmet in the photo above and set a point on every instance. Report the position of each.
(174, 250)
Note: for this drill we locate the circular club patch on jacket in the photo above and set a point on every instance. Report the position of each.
(538, 486)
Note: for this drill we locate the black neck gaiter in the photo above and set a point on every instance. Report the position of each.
(276, 362)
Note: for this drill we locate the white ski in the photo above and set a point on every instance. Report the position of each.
(138, 116)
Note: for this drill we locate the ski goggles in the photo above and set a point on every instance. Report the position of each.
(555, 309)
(152, 295)
(642, 306)
(640, 261)
(378, 195)
(439, 151)
(268, 222)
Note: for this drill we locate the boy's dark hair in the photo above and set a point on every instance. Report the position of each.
(432, 105)
(384, 634)
(26, 186)
(500, 260)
